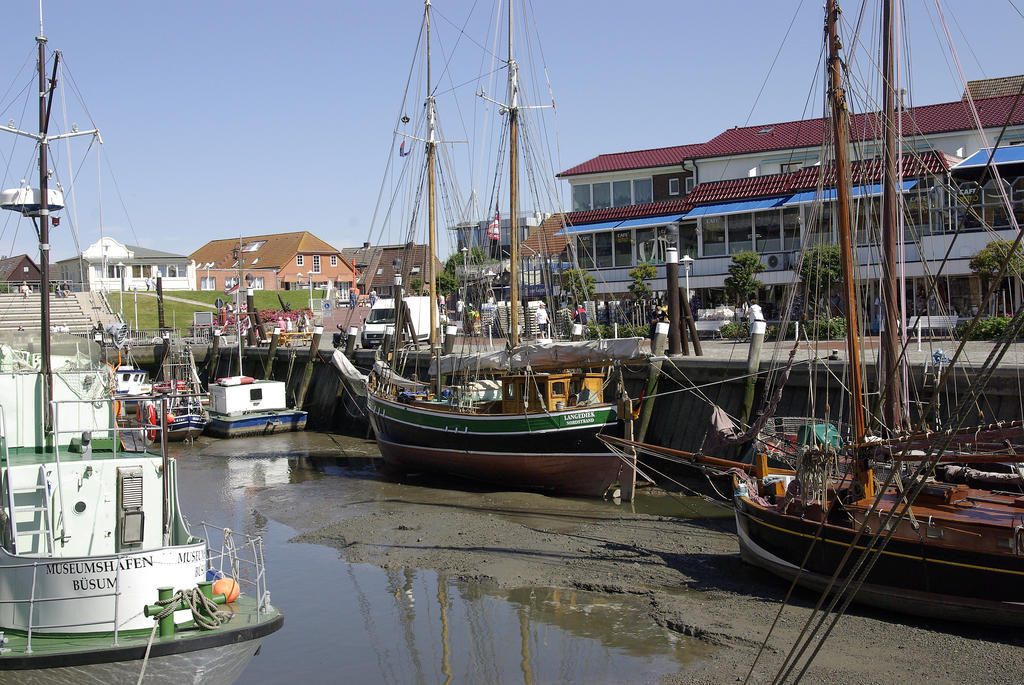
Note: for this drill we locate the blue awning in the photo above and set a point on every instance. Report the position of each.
(735, 207)
(858, 191)
(625, 223)
(1003, 155)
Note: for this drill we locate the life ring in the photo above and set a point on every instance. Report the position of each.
(118, 409)
(151, 420)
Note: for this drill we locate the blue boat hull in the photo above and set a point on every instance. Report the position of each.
(262, 423)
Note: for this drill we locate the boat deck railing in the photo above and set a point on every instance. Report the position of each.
(240, 557)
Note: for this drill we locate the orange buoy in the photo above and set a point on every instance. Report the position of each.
(227, 587)
(170, 418)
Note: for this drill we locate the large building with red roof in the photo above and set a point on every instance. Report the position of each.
(761, 188)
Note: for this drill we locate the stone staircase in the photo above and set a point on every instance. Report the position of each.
(16, 310)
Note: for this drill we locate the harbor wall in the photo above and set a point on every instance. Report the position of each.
(688, 389)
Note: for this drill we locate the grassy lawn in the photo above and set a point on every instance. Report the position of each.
(179, 314)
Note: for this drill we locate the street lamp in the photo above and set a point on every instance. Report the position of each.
(687, 261)
(120, 270)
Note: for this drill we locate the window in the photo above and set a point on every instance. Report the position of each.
(585, 251)
(603, 248)
(300, 260)
(690, 182)
(623, 248)
(622, 193)
(768, 231)
(316, 263)
(167, 270)
(642, 194)
(414, 270)
(820, 222)
(673, 186)
(257, 283)
(230, 282)
(787, 167)
(581, 197)
(253, 246)
(995, 211)
(137, 271)
(688, 239)
(208, 283)
(739, 233)
(255, 394)
(380, 271)
(714, 235)
(334, 260)
(647, 248)
(791, 228)
(602, 195)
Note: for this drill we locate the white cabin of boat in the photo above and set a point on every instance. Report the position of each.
(247, 397)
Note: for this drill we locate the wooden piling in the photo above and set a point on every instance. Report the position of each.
(250, 308)
(307, 373)
(213, 361)
(350, 342)
(160, 302)
(268, 368)
(653, 374)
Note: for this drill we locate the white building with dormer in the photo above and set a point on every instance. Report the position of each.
(108, 265)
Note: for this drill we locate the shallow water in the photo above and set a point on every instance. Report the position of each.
(362, 624)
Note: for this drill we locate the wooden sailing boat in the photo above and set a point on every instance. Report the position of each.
(535, 426)
(911, 544)
(92, 540)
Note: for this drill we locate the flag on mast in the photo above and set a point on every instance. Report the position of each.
(494, 228)
(402, 151)
(232, 289)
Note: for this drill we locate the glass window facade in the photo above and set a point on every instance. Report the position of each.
(623, 248)
(602, 195)
(603, 249)
(581, 197)
(585, 251)
(768, 231)
(642, 192)
(713, 231)
(740, 233)
(622, 193)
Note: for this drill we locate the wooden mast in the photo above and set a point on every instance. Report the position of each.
(513, 215)
(889, 349)
(431, 146)
(44, 225)
(842, 171)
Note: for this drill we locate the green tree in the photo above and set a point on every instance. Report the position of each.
(988, 262)
(416, 286)
(475, 255)
(640, 275)
(820, 271)
(447, 283)
(578, 285)
(741, 282)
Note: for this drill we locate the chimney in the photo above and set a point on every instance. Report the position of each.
(366, 244)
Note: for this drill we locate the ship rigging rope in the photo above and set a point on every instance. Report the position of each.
(886, 528)
(204, 612)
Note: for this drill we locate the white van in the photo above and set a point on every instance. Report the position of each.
(382, 316)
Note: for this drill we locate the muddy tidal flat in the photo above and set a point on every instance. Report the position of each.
(417, 580)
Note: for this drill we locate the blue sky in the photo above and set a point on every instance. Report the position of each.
(222, 118)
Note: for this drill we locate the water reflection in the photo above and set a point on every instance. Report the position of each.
(360, 623)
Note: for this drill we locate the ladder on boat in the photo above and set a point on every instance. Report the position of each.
(38, 529)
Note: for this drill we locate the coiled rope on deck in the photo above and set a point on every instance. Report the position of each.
(204, 612)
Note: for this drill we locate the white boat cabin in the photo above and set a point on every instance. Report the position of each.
(235, 396)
